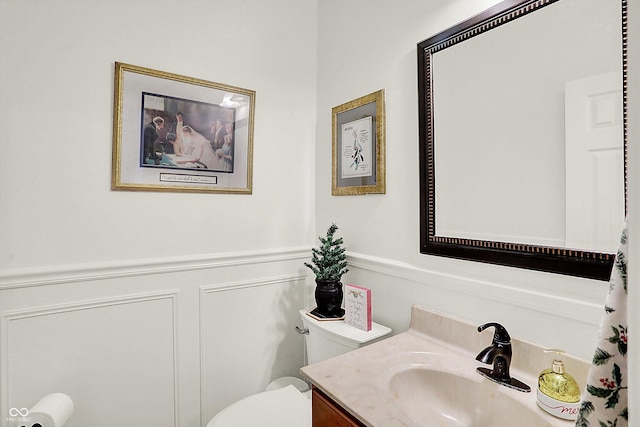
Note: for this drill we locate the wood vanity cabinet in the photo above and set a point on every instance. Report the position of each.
(327, 413)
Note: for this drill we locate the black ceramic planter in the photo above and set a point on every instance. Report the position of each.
(329, 298)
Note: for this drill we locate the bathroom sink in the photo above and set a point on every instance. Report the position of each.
(446, 391)
(426, 377)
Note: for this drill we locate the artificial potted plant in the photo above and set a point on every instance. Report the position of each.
(329, 264)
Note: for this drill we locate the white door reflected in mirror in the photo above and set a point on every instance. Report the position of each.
(594, 162)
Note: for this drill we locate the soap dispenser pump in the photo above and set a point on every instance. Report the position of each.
(558, 392)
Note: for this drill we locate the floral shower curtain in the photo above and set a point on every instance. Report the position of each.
(604, 400)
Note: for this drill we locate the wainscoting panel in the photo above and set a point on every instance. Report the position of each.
(151, 342)
(170, 342)
(248, 338)
(116, 358)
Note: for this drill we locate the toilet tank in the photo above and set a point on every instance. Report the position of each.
(329, 338)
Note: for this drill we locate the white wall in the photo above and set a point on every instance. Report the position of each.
(147, 308)
(57, 86)
(367, 45)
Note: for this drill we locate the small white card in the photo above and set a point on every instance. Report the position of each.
(357, 307)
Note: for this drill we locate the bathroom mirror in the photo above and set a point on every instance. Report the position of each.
(522, 121)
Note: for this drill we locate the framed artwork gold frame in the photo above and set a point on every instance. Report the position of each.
(358, 146)
(180, 134)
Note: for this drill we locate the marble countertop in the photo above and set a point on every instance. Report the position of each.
(359, 380)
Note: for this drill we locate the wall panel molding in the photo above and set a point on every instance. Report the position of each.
(9, 318)
(270, 288)
(220, 287)
(54, 275)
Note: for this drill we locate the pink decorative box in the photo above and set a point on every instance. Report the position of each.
(357, 306)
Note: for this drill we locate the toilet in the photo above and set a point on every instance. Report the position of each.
(286, 402)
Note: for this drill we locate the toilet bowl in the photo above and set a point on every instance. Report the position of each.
(283, 407)
(287, 401)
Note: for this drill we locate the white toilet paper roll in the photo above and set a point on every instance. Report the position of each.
(53, 410)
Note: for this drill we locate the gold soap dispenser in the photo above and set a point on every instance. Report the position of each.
(558, 392)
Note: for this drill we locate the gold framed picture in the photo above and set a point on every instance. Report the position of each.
(358, 146)
(180, 134)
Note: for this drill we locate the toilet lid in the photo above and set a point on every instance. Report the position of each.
(285, 407)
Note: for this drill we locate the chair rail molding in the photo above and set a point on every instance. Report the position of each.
(62, 274)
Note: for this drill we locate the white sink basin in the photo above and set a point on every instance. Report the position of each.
(446, 391)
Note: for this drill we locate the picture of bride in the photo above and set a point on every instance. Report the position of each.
(198, 152)
(192, 135)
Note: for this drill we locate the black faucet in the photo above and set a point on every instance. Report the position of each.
(499, 354)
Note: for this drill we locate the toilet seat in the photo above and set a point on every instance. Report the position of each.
(285, 407)
(282, 382)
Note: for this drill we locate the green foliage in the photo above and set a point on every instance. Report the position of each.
(610, 389)
(329, 260)
(601, 357)
(619, 338)
(621, 267)
(625, 414)
(586, 408)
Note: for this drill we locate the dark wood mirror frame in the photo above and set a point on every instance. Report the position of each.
(593, 265)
